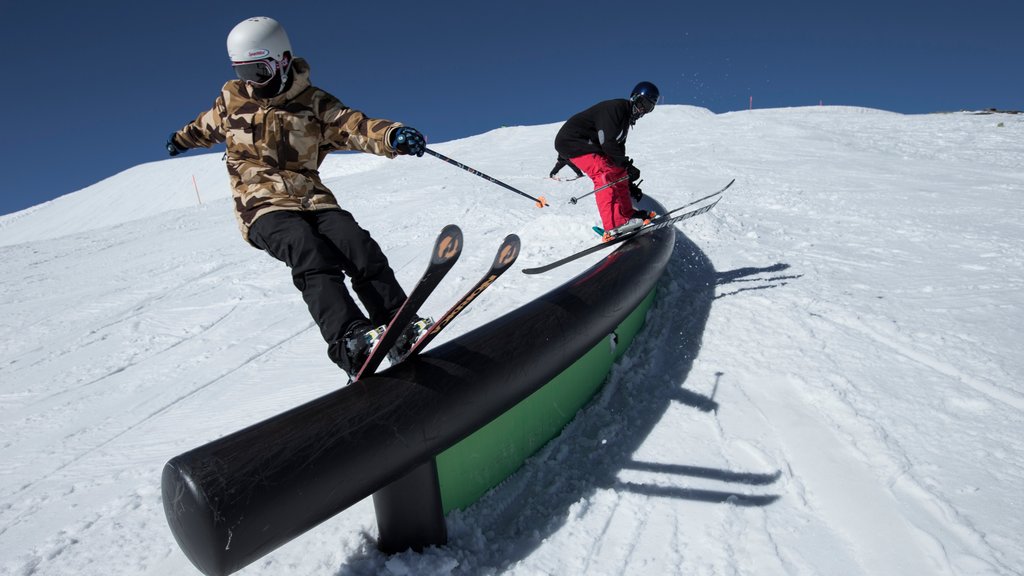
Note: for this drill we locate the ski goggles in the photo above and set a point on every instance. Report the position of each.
(256, 72)
(645, 104)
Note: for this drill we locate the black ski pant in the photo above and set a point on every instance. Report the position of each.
(321, 248)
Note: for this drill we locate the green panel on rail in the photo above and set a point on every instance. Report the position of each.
(484, 459)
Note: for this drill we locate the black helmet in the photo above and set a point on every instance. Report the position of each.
(644, 97)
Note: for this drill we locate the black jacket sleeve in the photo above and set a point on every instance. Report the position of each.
(612, 123)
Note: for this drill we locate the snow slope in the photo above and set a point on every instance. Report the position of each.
(830, 381)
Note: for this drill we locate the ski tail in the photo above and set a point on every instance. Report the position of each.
(576, 255)
(447, 249)
(503, 260)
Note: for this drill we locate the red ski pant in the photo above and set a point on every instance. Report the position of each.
(613, 203)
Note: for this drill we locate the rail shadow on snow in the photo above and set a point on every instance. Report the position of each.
(597, 447)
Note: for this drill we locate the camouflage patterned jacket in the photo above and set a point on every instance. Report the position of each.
(275, 146)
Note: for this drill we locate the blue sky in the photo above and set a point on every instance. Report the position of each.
(95, 88)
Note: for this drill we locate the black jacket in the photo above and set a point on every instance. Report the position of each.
(600, 129)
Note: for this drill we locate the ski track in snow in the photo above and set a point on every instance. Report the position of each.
(829, 381)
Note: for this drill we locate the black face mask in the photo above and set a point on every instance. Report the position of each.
(270, 89)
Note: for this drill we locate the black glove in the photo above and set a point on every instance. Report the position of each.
(635, 192)
(173, 148)
(406, 140)
(632, 171)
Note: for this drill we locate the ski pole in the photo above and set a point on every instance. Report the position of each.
(574, 199)
(541, 202)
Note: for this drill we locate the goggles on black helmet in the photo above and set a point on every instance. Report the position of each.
(644, 103)
(256, 72)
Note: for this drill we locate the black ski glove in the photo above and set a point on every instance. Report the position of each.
(636, 192)
(173, 148)
(632, 171)
(408, 140)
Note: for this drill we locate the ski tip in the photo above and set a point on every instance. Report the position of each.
(508, 252)
(541, 202)
(449, 243)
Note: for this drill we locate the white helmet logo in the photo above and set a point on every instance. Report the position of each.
(258, 53)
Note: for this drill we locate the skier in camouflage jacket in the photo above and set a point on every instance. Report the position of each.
(278, 128)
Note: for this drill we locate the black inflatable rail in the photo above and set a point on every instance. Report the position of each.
(238, 498)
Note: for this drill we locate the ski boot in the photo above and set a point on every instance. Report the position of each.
(640, 217)
(645, 215)
(416, 329)
(351, 352)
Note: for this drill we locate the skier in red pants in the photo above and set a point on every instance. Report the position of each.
(595, 140)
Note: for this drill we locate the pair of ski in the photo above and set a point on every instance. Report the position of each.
(667, 219)
(447, 249)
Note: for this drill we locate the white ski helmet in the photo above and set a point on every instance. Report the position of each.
(258, 38)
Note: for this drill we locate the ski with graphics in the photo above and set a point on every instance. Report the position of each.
(666, 219)
(447, 249)
(503, 260)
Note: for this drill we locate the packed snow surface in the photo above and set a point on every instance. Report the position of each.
(831, 380)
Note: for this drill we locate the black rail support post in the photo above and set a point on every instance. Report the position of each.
(409, 512)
